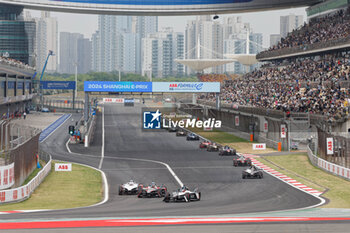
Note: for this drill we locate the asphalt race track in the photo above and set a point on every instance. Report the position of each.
(128, 150)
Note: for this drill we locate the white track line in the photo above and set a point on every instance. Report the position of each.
(103, 139)
(70, 115)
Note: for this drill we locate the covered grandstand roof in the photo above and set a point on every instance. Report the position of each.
(202, 64)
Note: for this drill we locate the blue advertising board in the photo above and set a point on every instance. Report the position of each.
(193, 87)
(100, 86)
(58, 85)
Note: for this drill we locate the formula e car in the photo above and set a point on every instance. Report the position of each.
(183, 194)
(252, 172)
(242, 161)
(212, 147)
(172, 129)
(192, 137)
(152, 190)
(129, 188)
(226, 150)
(204, 144)
(181, 133)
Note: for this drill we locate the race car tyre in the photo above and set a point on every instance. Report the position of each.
(167, 197)
(199, 196)
(187, 195)
(235, 164)
(120, 191)
(243, 176)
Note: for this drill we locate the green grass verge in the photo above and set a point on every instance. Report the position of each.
(298, 167)
(218, 136)
(80, 187)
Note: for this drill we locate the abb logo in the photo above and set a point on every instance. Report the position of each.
(108, 100)
(173, 85)
(63, 167)
(261, 146)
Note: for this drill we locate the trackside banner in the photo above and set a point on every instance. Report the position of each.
(192, 87)
(186, 87)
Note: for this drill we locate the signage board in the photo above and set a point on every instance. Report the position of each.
(113, 100)
(330, 146)
(63, 167)
(104, 86)
(283, 131)
(266, 126)
(236, 120)
(193, 87)
(261, 146)
(57, 85)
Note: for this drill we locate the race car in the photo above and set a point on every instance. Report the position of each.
(181, 133)
(213, 147)
(252, 172)
(183, 194)
(192, 137)
(152, 190)
(242, 161)
(172, 129)
(226, 150)
(129, 188)
(204, 144)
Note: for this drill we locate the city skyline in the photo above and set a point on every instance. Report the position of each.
(88, 24)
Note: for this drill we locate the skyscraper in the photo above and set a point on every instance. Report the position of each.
(15, 32)
(204, 39)
(69, 51)
(274, 39)
(159, 50)
(84, 55)
(289, 23)
(117, 43)
(46, 39)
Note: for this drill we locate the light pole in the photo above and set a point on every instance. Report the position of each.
(75, 94)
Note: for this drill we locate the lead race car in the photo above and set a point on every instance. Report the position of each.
(252, 172)
(152, 190)
(129, 188)
(226, 150)
(183, 194)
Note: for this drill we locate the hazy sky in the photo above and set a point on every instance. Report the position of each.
(263, 22)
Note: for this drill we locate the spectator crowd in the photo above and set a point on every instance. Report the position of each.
(318, 86)
(320, 29)
(15, 63)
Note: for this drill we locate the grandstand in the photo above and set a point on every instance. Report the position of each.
(222, 78)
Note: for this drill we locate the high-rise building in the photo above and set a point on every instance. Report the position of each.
(46, 40)
(84, 55)
(117, 43)
(159, 50)
(289, 23)
(69, 51)
(274, 39)
(204, 39)
(16, 34)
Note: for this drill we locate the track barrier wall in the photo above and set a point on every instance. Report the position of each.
(328, 166)
(24, 192)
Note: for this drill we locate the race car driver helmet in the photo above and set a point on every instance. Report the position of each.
(153, 184)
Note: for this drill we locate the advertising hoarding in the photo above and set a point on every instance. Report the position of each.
(104, 86)
(193, 87)
(283, 131)
(57, 85)
(330, 146)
